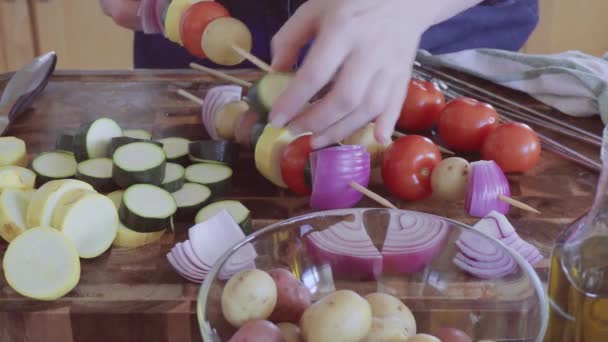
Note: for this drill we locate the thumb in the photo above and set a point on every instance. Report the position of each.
(293, 36)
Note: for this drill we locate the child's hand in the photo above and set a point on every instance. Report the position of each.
(367, 48)
(123, 12)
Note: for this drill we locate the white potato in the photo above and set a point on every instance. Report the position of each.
(248, 295)
(384, 305)
(291, 332)
(449, 179)
(423, 338)
(342, 315)
(387, 329)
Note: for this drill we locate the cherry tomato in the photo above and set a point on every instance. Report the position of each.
(464, 124)
(422, 106)
(195, 20)
(407, 166)
(514, 146)
(452, 335)
(295, 157)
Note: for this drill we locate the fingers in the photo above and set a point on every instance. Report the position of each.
(326, 55)
(385, 124)
(293, 35)
(345, 96)
(124, 13)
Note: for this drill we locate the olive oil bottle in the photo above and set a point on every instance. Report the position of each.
(578, 279)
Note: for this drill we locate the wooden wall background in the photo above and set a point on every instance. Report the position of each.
(85, 39)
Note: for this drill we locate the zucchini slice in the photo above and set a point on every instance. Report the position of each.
(45, 199)
(266, 90)
(13, 208)
(98, 173)
(65, 143)
(176, 149)
(16, 177)
(190, 199)
(117, 142)
(222, 151)
(269, 151)
(174, 177)
(236, 209)
(92, 139)
(139, 163)
(88, 219)
(12, 152)
(54, 165)
(216, 176)
(228, 116)
(256, 133)
(147, 208)
(219, 36)
(42, 264)
(127, 238)
(137, 134)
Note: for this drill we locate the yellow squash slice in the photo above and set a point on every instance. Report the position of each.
(12, 152)
(44, 201)
(269, 150)
(13, 207)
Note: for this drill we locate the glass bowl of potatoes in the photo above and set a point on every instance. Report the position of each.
(373, 275)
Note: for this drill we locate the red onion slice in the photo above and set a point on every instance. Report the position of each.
(211, 104)
(412, 241)
(182, 259)
(332, 171)
(348, 249)
(181, 270)
(487, 273)
(160, 8)
(486, 182)
(185, 249)
(482, 258)
(148, 17)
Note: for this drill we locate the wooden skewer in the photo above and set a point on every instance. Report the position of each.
(517, 204)
(441, 148)
(253, 59)
(190, 96)
(221, 75)
(372, 195)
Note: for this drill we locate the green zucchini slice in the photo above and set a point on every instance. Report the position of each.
(236, 209)
(137, 134)
(222, 151)
(65, 142)
(176, 149)
(216, 176)
(266, 90)
(98, 173)
(93, 139)
(256, 133)
(49, 166)
(139, 163)
(117, 142)
(190, 199)
(147, 208)
(174, 177)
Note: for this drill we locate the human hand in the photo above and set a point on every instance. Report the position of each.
(366, 48)
(123, 12)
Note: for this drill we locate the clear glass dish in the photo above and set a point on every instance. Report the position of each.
(507, 306)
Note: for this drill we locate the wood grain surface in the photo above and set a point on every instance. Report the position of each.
(134, 295)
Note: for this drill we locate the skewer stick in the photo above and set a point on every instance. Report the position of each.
(372, 195)
(517, 204)
(190, 96)
(441, 148)
(221, 75)
(253, 59)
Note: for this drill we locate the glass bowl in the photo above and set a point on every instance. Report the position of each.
(447, 273)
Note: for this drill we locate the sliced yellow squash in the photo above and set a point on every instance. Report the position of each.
(172, 20)
(16, 177)
(12, 152)
(13, 207)
(269, 150)
(44, 201)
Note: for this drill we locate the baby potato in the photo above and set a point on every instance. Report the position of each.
(449, 179)
(452, 335)
(258, 331)
(387, 329)
(423, 338)
(342, 315)
(384, 305)
(293, 298)
(248, 295)
(291, 332)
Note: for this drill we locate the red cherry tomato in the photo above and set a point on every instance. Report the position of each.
(464, 124)
(407, 166)
(452, 335)
(295, 157)
(422, 106)
(514, 146)
(194, 21)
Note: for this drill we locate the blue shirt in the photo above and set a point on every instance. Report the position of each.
(498, 24)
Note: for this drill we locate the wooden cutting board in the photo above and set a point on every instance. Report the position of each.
(134, 295)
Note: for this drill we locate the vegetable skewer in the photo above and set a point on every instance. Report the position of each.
(441, 148)
(253, 59)
(221, 75)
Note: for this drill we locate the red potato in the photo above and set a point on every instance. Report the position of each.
(452, 335)
(293, 298)
(258, 331)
